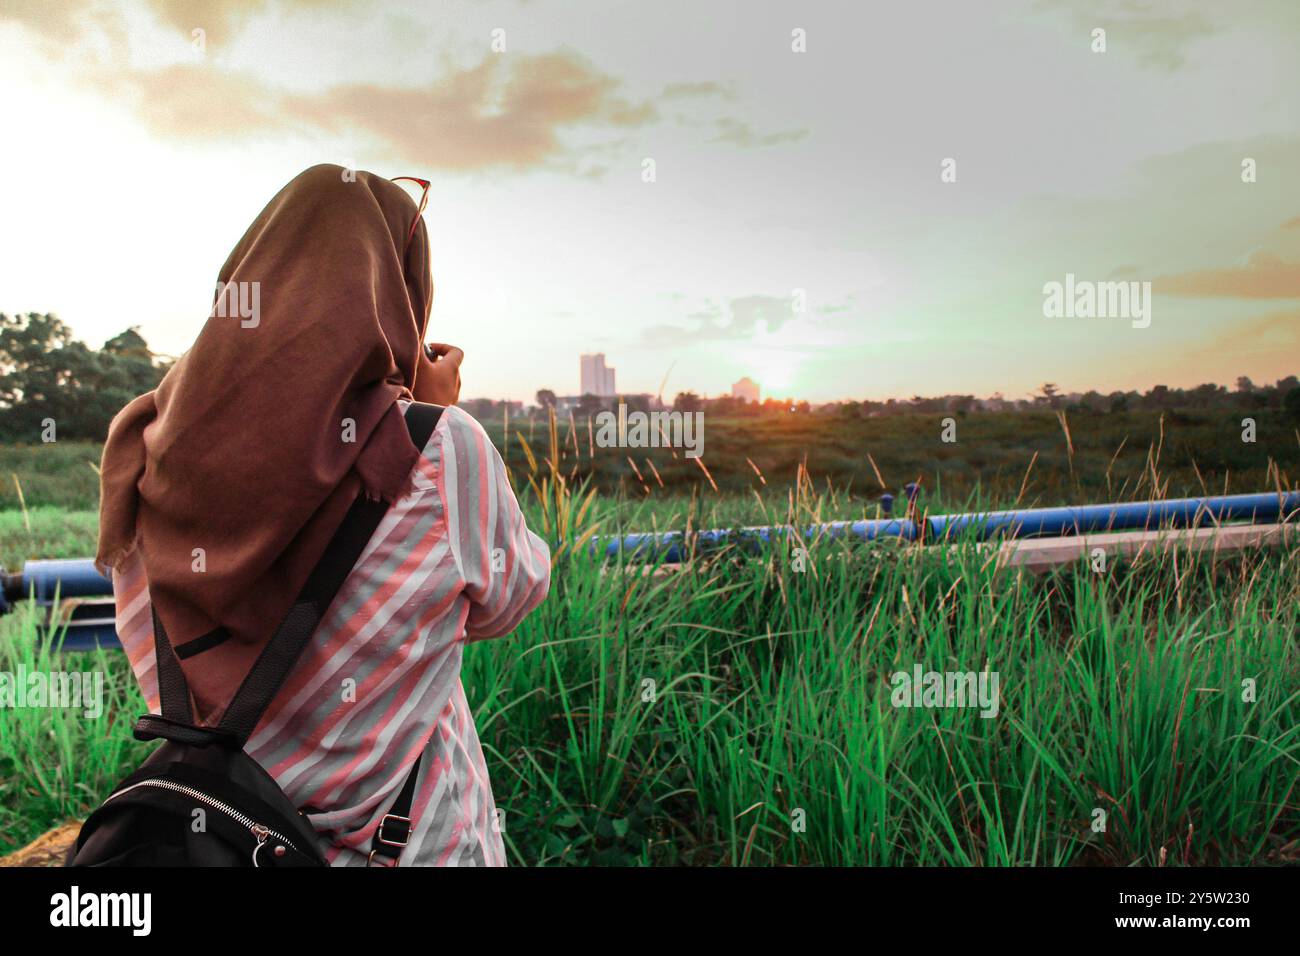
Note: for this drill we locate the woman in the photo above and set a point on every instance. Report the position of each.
(221, 489)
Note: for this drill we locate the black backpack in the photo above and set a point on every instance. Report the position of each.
(248, 821)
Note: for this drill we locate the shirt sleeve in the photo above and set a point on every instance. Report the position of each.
(506, 568)
(134, 619)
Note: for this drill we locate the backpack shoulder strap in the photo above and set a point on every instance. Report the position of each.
(281, 652)
(272, 667)
(394, 830)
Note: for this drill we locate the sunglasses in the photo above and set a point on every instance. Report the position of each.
(424, 201)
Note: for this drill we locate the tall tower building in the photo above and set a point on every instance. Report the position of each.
(597, 378)
(746, 388)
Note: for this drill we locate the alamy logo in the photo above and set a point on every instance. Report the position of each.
(946, 689)
(239, 299)
(133, 910)
(55, 689)
(1084, 299)
(651, 430)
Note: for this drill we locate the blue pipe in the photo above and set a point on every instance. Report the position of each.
(1127, 516)
(70, 577)
(40, 580)
(982, 526)
(88, 626)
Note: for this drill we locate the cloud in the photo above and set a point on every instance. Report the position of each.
(741, 134)
(1264, 276)
(747, 313)
(705, 88)
(69, 20)
(189, 100)
(1148, 31)
(1161, 42)
(502, 112)
(51, 20)
(518, 112)
(1273, 336)
(225, 15)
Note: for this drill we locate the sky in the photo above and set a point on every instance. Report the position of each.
(838, 200)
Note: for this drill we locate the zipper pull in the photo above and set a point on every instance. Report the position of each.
(261, 833)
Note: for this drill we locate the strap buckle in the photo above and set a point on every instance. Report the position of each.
(406, 830)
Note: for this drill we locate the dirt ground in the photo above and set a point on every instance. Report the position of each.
(49, 849)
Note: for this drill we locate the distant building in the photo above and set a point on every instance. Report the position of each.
(746, 388)
(641, 398)
(564, 404)
(491, 409)
(597, 378)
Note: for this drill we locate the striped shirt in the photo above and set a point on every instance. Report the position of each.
(379, 684)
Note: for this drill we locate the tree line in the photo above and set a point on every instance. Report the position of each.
(46, 375)
(1246, 396)
(52, 385)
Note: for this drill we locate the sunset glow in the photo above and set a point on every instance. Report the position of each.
(686, 189)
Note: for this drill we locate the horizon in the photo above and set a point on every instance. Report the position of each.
(1062, 392)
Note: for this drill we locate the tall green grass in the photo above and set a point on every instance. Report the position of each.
(737, 710)
(55, 762)
(769, 736)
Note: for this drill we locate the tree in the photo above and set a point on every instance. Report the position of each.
(129, 344)
(636, 403)
(1291, 402)
(1158, 397)
(47, 374)
(590, 404)
(546, 398)
(687, 402)
(1206, 396)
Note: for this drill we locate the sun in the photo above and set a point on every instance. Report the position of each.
(774, 372)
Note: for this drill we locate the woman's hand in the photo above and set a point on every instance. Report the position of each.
(437, 380)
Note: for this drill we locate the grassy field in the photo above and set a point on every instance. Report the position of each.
(1033, 457)
(738, 710)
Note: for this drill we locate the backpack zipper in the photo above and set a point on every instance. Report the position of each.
(258, 831)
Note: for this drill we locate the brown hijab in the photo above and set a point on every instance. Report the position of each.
(258, 439)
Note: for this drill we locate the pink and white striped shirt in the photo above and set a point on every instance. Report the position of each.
(379, 684)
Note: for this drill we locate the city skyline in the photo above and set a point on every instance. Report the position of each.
(750, 390)
(595, 378)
